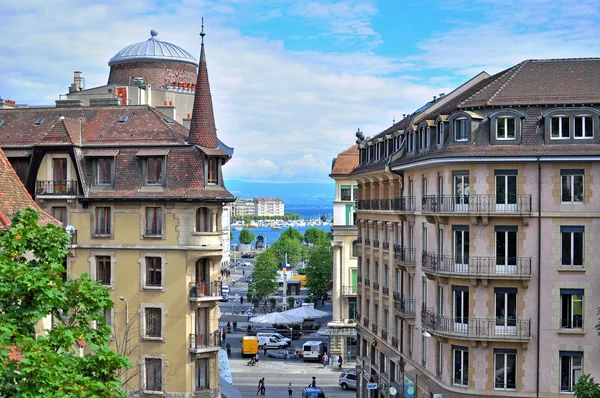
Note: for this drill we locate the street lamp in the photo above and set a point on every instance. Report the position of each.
(126, 309)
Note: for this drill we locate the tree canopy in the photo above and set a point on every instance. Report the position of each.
(313, 235)
(246, 236)
(319, 270)
(284, 245)
(32, 288)
(264, 275)
(292, 233)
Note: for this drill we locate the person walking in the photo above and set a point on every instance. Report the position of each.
(325, 360)
(224, 335)
(235, 326)
(242, 300)
(256, 358)
(261, 386)
(340, 361)
(314, 382)
(290, 390)
(265, 350)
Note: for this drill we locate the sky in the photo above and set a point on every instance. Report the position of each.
(292, 81)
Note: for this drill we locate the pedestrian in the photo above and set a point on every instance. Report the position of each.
(244, 272)
(325, 359)
(290, 390)
(297, 353)
(262, 391)
(235, 326)
(340, 361)
(265, 350)
(242, 300)
(260, 386)
(314, 382)
(256, 358)
(265, 302)
(224, 335)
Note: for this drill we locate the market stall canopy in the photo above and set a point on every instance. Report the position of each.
(277, 317)
(306, 312)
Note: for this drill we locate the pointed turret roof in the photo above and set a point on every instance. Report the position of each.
(203, 130)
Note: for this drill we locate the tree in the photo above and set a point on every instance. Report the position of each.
(31, 288)
(292, 233)
(246, 236)
(313, 235)
(319, 270)
(292, 247)
(231, 236)
(586, 387)
(323, 218)
(264, 275)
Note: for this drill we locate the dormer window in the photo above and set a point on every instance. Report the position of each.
(461, 132)
(212, 171)
(505, 128)
(423, 138)
(103, 171)
(560, 128)
(584, 127)
(440, 133)
(38, 122)
(154, 171)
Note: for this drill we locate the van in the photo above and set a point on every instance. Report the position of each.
(269, 342)
(277, 337)
(225, 293)
(249, 345)
(312, 350)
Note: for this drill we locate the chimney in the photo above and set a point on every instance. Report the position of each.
(78, 84)
(203, 130)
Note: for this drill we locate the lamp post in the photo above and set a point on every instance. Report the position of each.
(126, 309)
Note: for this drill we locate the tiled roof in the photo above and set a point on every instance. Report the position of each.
(14, 196)
(203, 130)
(346, 161)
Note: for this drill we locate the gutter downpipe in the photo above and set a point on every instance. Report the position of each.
(539, 281)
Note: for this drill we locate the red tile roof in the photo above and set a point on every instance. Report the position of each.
(345, 162)
(14, 196)
(203, 130)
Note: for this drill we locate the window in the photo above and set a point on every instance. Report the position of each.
(571, 246)
(505, 128)
(103, 171)
(424, 237)
(560, 127)
(103, 221)
(410, 340)
(440, 133)
(505, 369)
(423, 138)
(506, 249)
(571, 186)
(59, 175)
(440, 351)
(345, 192)
(584, 127)
(204, 221)
(153, 221)
(460, 366)
(354, 248)
(153, 322)
(506, 190)
(1, 122)
(153, 271)
(571, 368)
(571, 308)
(424, 184)
(154, 171)
(462, 190)
(202, 378)
(460, 308)
(461, 132)
(506, 311)
(123, 119)
(424, 291)
(213, 171)
(461, 248)
(355, 192)
(424, 350)
(103, 269)
(107, 314)
(60, 213)
(21, 167)
(386, 277)
(38, 122)
(153, 374)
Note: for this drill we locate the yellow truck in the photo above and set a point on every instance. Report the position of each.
(249, 345)
(301, 278)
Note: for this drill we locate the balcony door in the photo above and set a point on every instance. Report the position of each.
(506, 250)
(506, 192)
(460, 309)
(203, 276)
(461, 192)
(202, 320)
(59, 175)
(506, 311)
(461, 249)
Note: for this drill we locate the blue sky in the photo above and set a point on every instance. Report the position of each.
(293, 80)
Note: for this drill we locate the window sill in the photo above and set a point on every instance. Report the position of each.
(218, 233)
(153, 288)
(102, 236)
(577, 332)
(159, 339)
(152, 392)
(153, 236)
(572, 269)
(107, 286)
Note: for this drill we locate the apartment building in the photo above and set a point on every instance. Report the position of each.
(268, 207)
(475, 220)
(145, 198)
(342, 328)
(243, 207)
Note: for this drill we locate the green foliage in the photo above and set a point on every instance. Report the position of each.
(284, 245)
(231, 236)
(31, 288)
(292, 233)
(301, 271)
(314, 235)
(264, 275)
(273, 301)
(285, 217)
(586, 387)
(319, 270)
(246, 236)
(291, 301)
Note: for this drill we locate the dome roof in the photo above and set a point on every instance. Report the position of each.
(152, 50)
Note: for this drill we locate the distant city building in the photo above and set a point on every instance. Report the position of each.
(225, 226)
(243, 207)
(268, 207)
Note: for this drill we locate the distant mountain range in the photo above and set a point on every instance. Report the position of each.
(292, 193)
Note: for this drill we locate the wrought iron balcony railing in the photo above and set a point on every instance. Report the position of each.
(404, 203)
(384, 204)
(376, 243)
(386, 245)
(384, 334)
(363, 204)
(477, 267)
(376, 286)
(367, 241)
(350, 290)
(208, 290)
(385, 290)
(374, 204)
(479, 204)
(205, 341)
(395, 341)
(359, 278)
(404, 255)
(374, 328)
(61, 187)
(501, 328)
(366, 322)
(367, 282)
(404, 306)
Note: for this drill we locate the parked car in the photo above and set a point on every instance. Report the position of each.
(246, 255)
(348, 380)
(313, 392)
(270, 343)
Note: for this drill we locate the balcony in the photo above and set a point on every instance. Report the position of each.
(386, 245)
(206, 342)
(56, 188)
(359, 278)
(206, 240)
(363, 204)
(404, 255)
(367, 282)
(484, 268)
(404, 204)
(384, 204)
(484, 206)
(405, 307)
(477, 329)
(376, 243)
(395, 342)
(376, 286)
(375, 204)
(205, 291)
(385, 290)
(366, 322)
(384, 334)
(374, 328)
(350, 290)
(367, 241)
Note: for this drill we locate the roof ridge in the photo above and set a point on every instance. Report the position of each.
(510, 78)
(500, 76)
(162, 117)
(57, 125)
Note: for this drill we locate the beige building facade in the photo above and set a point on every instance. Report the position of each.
(475, 225)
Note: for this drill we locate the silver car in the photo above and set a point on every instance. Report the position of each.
(348, 380)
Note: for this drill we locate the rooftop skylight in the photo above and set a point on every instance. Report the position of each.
(39, 122)
(123, 119)
(1, 121)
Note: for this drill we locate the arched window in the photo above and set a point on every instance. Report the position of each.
(204, 220)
